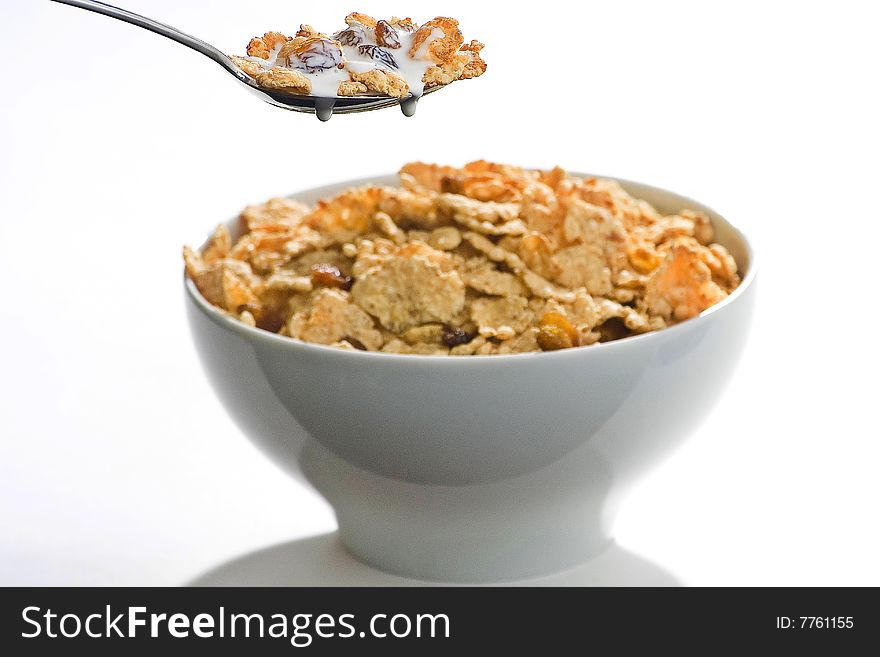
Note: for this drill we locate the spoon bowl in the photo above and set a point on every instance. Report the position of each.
(321, 106)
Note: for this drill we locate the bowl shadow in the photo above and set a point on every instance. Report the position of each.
(323, 561)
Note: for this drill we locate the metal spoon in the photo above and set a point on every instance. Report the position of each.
(322, 107)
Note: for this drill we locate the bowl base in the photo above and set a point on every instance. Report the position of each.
(525, 526)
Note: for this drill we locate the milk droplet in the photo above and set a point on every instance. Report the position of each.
(408, 105)
(324, 108)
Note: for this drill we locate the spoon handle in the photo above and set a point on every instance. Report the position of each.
(159, 28)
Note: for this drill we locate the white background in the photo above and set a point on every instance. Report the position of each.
(118, 465)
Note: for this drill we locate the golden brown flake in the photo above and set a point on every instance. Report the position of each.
(445, 238)
(332, 318)
(483, 276)
(284, 79)
(382, 82)
(489, 217)
(682, 287)
(524, 342)
(438, 50)
(276, 214)
(501, 317)
(409, 288)
(263, 46)
(475, 66)
(356, 17)
(218, 245)
(229, 284)
(250, 67)
(351, 88)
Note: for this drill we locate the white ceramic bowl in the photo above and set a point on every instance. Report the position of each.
(477, 468)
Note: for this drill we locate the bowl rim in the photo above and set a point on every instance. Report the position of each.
(225, 320)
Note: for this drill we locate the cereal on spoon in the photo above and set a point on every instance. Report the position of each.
(393, 57)
(478, 260)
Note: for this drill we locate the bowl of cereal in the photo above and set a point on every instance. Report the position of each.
(472, 365)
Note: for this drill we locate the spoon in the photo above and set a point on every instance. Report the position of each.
(322, 107)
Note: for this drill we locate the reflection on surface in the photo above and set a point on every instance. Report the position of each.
(323, 561)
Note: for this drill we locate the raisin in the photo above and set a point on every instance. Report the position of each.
(559, 321)
(612, 329)
(452, 337)
(551, 338)
(330, 276)
(378, 55)
(354, 342)
(386, 35)
(350, 37)
(317, 56)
